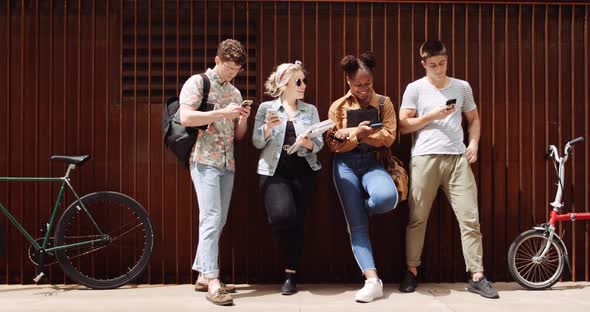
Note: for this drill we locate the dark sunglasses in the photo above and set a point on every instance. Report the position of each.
(299, 81)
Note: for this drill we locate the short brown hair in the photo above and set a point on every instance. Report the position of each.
(231, 50)
(432, 48)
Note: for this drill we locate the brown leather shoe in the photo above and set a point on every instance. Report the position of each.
(230, 288)
(220, 297)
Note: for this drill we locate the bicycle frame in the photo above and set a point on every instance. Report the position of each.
(557, 203)
(65, 181)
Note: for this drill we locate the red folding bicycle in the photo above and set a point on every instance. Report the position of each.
(536, 257)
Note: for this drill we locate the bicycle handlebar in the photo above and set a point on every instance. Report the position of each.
(552, 151)
(576, 140)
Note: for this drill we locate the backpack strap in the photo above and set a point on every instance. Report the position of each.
(206, 88)
(381, 105)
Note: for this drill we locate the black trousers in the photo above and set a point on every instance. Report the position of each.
(286, 201)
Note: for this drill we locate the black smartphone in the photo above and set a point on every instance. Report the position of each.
(451, 103)
(376, 125)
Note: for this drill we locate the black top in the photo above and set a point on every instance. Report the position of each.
(291, 166)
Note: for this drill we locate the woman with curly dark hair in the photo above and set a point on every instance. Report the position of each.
(364, 122)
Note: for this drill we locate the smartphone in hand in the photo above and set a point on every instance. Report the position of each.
(451, 103)
(247, 103)
(273, 112)
(376, 125)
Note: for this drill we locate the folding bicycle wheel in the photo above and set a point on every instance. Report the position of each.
(530, 270)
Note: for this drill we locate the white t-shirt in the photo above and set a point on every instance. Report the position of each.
(444, 136)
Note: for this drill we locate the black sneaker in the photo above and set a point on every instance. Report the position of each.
(483, 288)
(290, 285)
(409, 283)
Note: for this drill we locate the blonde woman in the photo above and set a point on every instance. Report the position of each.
(287, 181)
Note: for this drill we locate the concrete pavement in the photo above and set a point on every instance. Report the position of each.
(570, 297)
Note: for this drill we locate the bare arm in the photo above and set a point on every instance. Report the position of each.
(408, 122)
(242, 124)
(189, 117)
(474, 128)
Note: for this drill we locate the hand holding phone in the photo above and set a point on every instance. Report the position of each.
(376, 125)
(247, 103)
(451, 103)
(272, 118)
(272, 112)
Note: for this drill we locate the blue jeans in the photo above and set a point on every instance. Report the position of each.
(364, 188)
(214, 187)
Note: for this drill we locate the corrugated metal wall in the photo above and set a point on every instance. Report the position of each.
(91, 77)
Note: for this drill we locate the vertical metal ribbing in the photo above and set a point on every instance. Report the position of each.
(572, 135)
(546, 103)
(508, 102)
(149, 102)
(453, 38)
(534, 111)
(78, 62)
(163, 59)
(176, 221)
(302, 33)
(331, 50)
(274, 60)
(37, 104)
(7, 122)
(22, 150)
(586, 146)
(413, 33)
(191, 203)
(372, 26)
(316, 54)
(398, 51)
(93, 79)
(385, 52)
(288, 31)
(520, 110)
(343, 30)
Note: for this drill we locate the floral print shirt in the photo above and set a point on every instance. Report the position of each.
(215, 146)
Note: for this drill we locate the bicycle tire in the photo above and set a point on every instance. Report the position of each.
(535, 274)
(118, 261)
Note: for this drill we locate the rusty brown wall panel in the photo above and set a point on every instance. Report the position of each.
(90, 77)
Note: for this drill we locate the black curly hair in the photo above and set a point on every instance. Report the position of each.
(351, 64)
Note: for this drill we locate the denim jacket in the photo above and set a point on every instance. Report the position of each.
(305, 116)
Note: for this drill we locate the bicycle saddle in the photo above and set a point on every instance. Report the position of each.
(73, 160)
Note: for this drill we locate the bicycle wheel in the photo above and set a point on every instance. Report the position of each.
(527, 268)
(125, 250)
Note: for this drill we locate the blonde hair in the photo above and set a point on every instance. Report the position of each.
(277, 81)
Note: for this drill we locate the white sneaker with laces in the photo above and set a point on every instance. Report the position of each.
(372, 290)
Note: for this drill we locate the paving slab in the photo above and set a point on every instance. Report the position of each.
(568, 296)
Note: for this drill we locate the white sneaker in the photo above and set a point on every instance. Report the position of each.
(372, 290)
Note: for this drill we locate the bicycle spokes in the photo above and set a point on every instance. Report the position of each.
(121, 251)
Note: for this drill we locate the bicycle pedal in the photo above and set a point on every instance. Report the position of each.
(38, 277)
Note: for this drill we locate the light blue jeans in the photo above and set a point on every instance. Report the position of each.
(214, 187)
(365, 188)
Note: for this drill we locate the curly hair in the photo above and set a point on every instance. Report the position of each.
(351, 64)
(231, 50)
(274, 88)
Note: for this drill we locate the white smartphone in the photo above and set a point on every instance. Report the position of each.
(247, 103)
(273, 112)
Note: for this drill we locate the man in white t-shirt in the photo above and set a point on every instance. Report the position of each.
(432, 109)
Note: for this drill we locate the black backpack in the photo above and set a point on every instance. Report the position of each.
(180, 140)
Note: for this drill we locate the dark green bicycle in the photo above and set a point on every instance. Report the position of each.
(102, 240)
